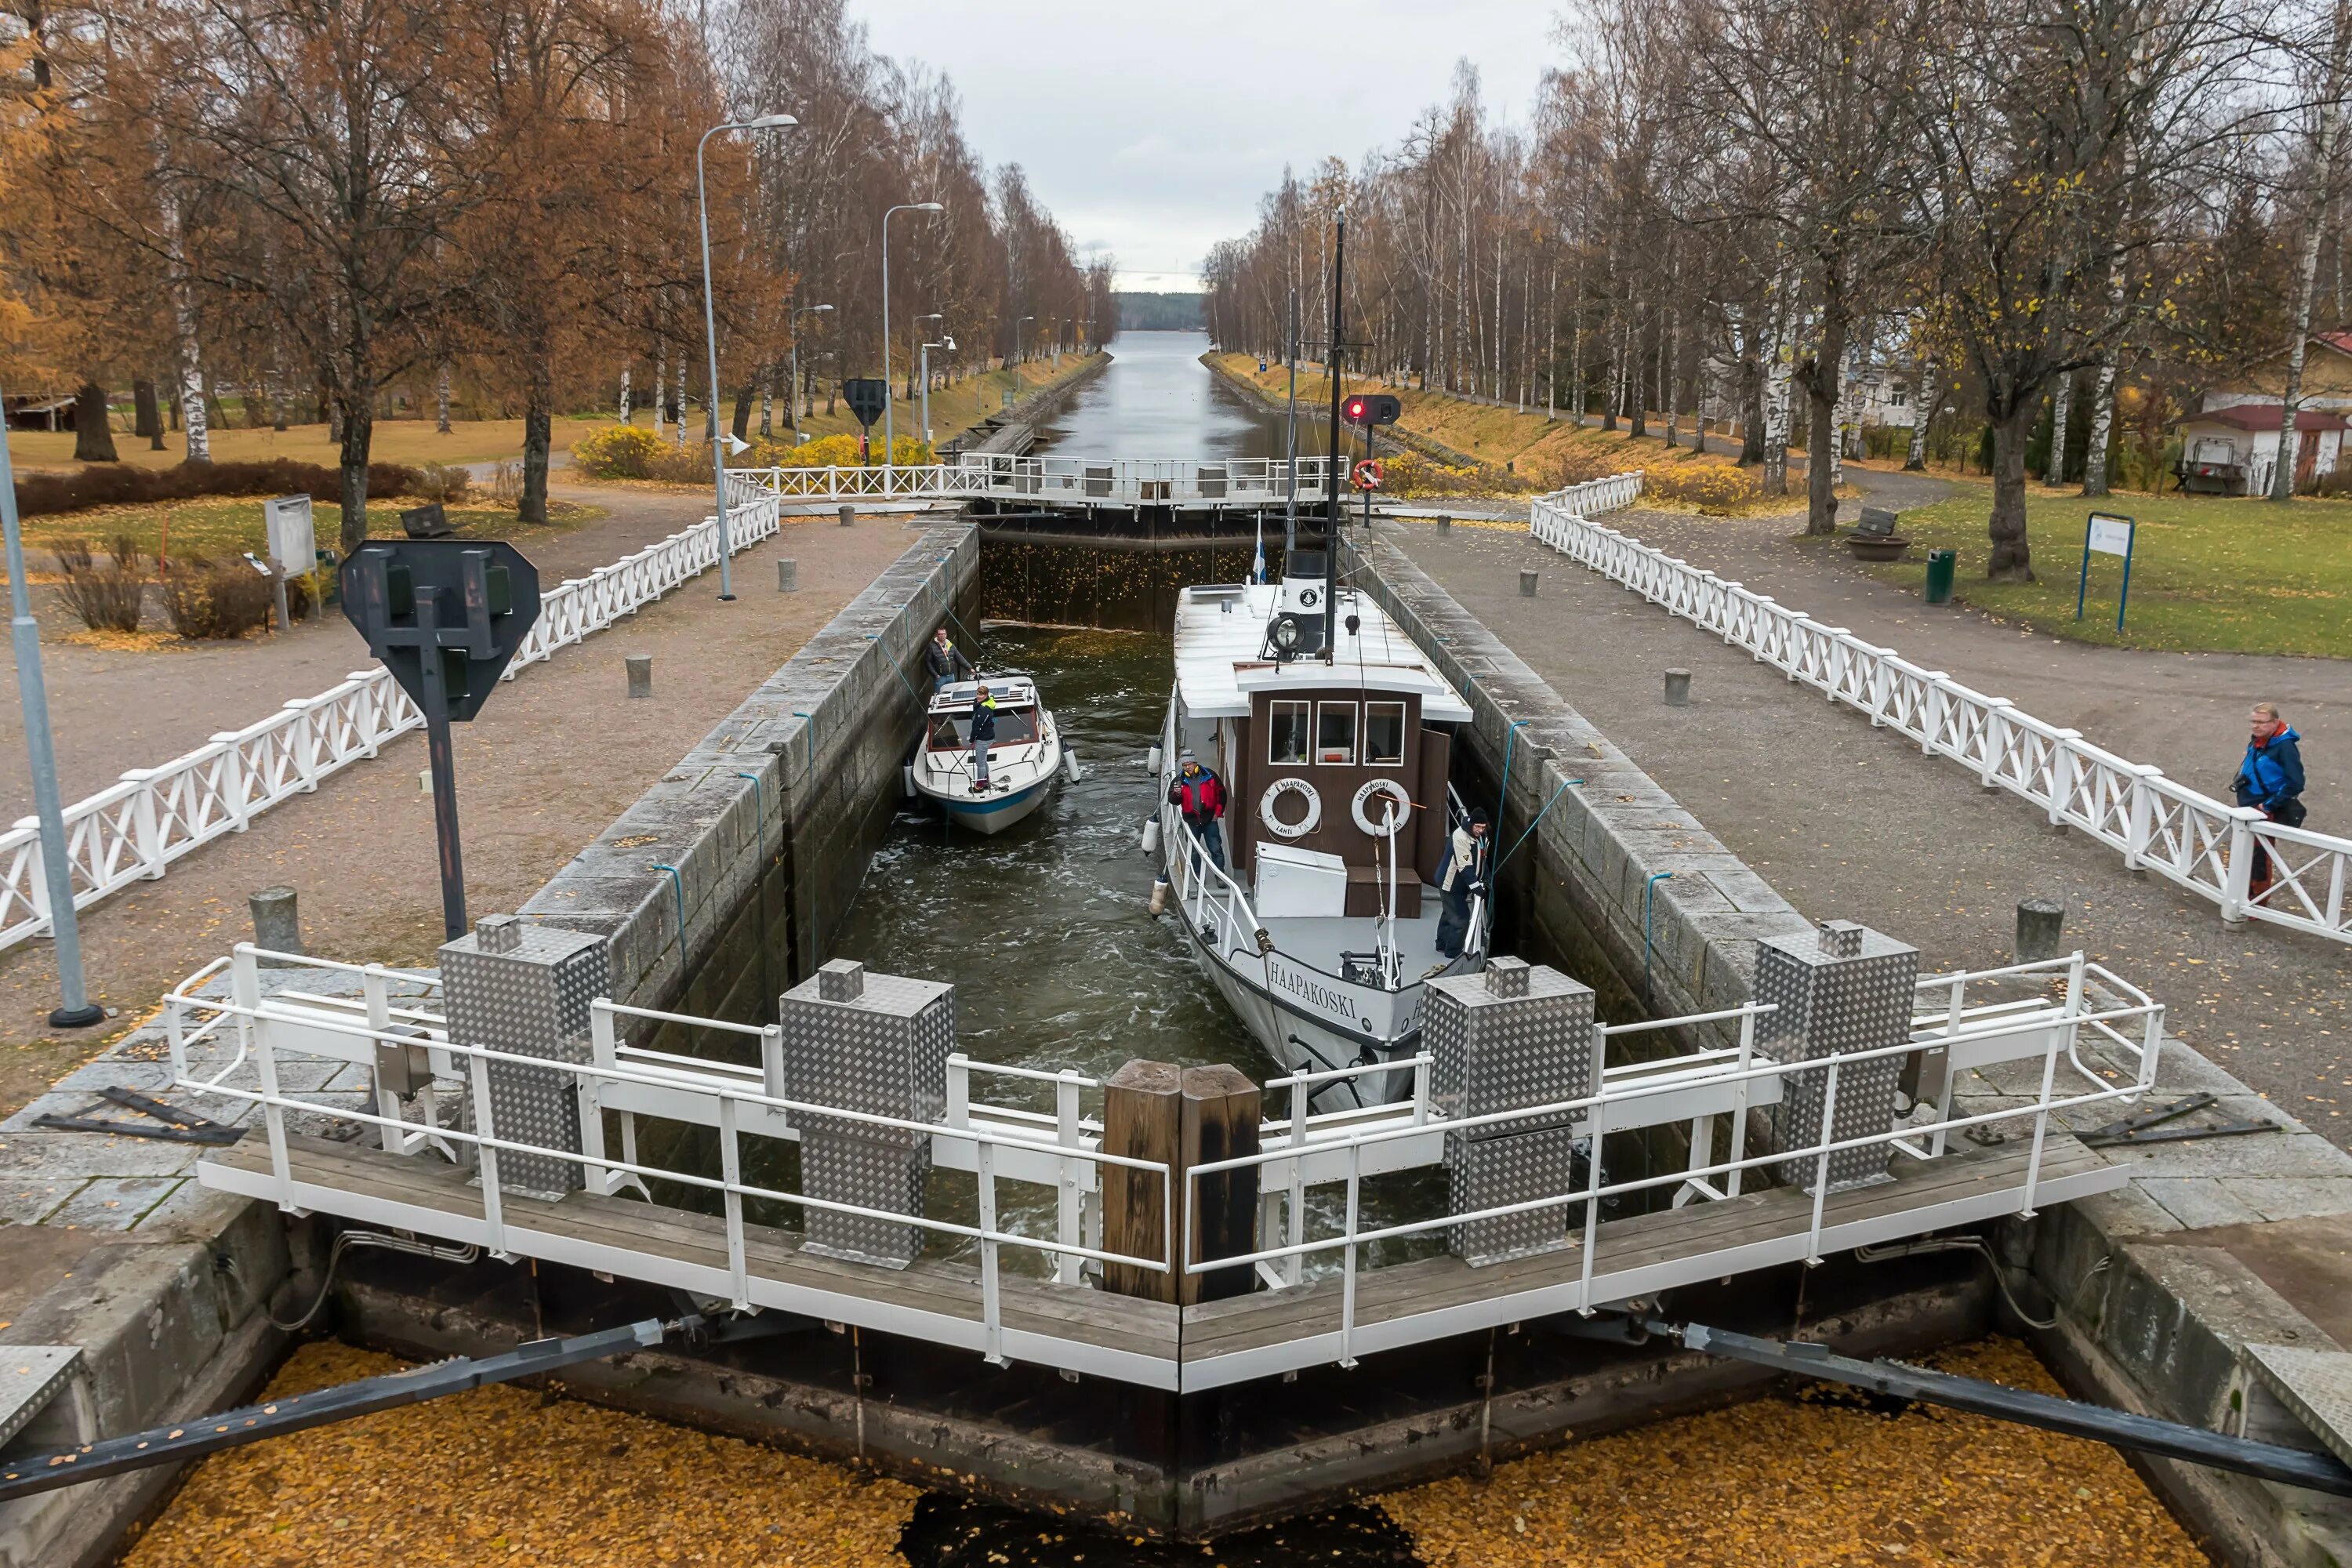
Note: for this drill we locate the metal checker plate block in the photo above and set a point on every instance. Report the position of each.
(1485, 1173)
(884, 1053)
(1829, 1005)
(846, 1168)
(534, 1001)
(1491, 1052)
(2316, 1384)
(30, 1378)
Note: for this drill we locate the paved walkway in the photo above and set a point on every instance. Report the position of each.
(554, 757)
(1848, 822)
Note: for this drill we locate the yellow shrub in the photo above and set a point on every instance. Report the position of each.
(622, 452)
(829, 452)
(1716, 489)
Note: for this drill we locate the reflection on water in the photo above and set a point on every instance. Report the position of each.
(1158, 400)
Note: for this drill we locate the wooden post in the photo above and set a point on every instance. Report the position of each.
(1153, 1111)
(1221, 1123)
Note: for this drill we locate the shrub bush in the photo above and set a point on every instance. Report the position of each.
(622, 452)
(443, 482)
(108, 599)
(831, 452)
(215, 599)
(119, 484)
(1718, 489)
(1409, 474)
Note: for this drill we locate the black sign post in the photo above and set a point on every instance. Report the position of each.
(445, 616)
(867, 398)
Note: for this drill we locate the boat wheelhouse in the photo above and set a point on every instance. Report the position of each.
(1322, 924)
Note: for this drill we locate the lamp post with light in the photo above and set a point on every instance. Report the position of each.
(925, 372)
(889, 426)
(797, 314)
(710, 334)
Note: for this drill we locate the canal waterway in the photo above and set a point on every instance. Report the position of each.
(1158, 400)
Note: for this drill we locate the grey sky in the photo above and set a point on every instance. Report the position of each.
(1164, 150)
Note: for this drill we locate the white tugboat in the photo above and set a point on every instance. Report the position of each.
(1321, 925)
(1022, 758)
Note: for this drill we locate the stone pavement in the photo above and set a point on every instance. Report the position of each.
(1848, 822)
(553, 758)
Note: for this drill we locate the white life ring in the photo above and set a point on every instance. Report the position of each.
(1275, 791)
(1389, 821)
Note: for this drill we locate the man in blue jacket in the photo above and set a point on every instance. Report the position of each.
(2271, 780)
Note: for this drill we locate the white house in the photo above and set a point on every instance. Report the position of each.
(2232, 451)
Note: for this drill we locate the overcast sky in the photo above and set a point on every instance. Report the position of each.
(1164, 150)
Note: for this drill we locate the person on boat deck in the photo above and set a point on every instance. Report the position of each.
(945, 660)
(1199, 795)
(1461, 878)
(983, 730)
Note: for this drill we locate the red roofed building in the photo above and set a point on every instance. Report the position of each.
(2233, 450)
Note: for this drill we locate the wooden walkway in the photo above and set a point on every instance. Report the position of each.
(1145, 1342)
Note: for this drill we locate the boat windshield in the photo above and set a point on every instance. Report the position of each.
(952, 731)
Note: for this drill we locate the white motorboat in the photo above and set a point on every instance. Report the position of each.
(1023, 759)
(1321, 926)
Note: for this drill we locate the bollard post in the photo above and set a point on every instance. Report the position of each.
(641, 674)
(1220, 1123)
(1445, 522)
(788, 575)
(1527, 584)
(848, 515)
(1678, 689)
(2040, 922)
(276, 924)
(1143, 1119)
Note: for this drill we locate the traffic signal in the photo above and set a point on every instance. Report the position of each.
(1372, 409)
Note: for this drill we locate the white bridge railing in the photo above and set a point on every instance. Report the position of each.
(133, 829)
(1110, 481)
(2181, 833)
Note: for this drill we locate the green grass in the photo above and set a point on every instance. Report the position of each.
(2209, 574)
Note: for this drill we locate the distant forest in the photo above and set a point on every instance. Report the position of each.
(1160, 312)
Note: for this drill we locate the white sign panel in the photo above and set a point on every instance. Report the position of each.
(2111, 535)
(293, 541)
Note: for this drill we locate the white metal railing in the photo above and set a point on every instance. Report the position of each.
(2181, 833)
(1994, 1032)
(134, 828)
(1077, 481)
(736, 1101)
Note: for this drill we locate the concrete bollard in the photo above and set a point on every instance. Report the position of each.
(1527, 584)
(1445, 522)
(1678, 689)
(276, 924)
(788, 575)
(848, 515)
(641, 674)
(2040, 924)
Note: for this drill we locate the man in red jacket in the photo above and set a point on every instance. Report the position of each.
(1200, 796)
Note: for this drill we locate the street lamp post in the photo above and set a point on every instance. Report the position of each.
(803, 311)
(888, 425)
(925, 372)
(949, 344)
(710, 334)
(75, 1009)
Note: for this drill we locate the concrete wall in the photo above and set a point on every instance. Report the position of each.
(1580, 878)
(769, 821)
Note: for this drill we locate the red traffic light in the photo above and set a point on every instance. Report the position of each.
(1372, 409)
(1355, 411)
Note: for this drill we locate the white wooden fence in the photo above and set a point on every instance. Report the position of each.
(131, 830)
(2169, 829)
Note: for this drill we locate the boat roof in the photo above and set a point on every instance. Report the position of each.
(1010, 691)
(1221, 654)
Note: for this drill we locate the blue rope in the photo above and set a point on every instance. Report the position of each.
(678, 888)
(1522, 838)
(1655, 878)
(1503, 795)
(921, 706)
(759, 812)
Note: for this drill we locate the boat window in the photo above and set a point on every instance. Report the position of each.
(1335, 733)
(1383, 734)
(952, 731)
(1286, 731)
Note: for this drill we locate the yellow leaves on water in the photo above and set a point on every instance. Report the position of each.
(1807, 1482)
(501, 1475)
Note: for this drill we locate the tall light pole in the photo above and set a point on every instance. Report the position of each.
(710, 335)
(926, 370)
(803, 311)
(888, 425)
(75, 1009)
(949, 344)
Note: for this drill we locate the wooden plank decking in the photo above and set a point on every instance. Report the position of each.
(1149, 1343)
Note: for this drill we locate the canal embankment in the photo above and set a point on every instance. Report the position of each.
(1014, 428)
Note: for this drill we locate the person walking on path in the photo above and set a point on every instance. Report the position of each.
(1461, 878)
(945, 661)
(983, 730)
(1199, 795)
(2269, 780)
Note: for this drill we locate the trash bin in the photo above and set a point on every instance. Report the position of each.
(1941, 564)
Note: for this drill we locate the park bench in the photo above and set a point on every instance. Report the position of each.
(426, 522)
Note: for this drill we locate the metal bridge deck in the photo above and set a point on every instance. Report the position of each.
(1145, 1343)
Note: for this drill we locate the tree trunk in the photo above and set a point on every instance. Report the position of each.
(538, 424)
(1751, 409)
(1822, 383)
(2011, 559)
(742, 421)
(625, 395)
(146, 419)
(2314, 213)
(1923, 410)
(768, 406)
(2103, 423)
(93, 426)
(1780, 381)
(441, 402)
(357, 409)
(2060, 414)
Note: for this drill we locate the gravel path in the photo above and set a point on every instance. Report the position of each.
(1850, 821)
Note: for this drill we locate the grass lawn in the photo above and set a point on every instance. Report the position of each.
(221, 529)
(2209, 574)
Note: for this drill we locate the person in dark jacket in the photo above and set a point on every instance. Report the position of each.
(1199, 795)
(2269, 780)
(1461, 878)
(983, 730)
(945, 661)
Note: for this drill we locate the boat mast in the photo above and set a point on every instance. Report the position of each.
(1334, 464)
